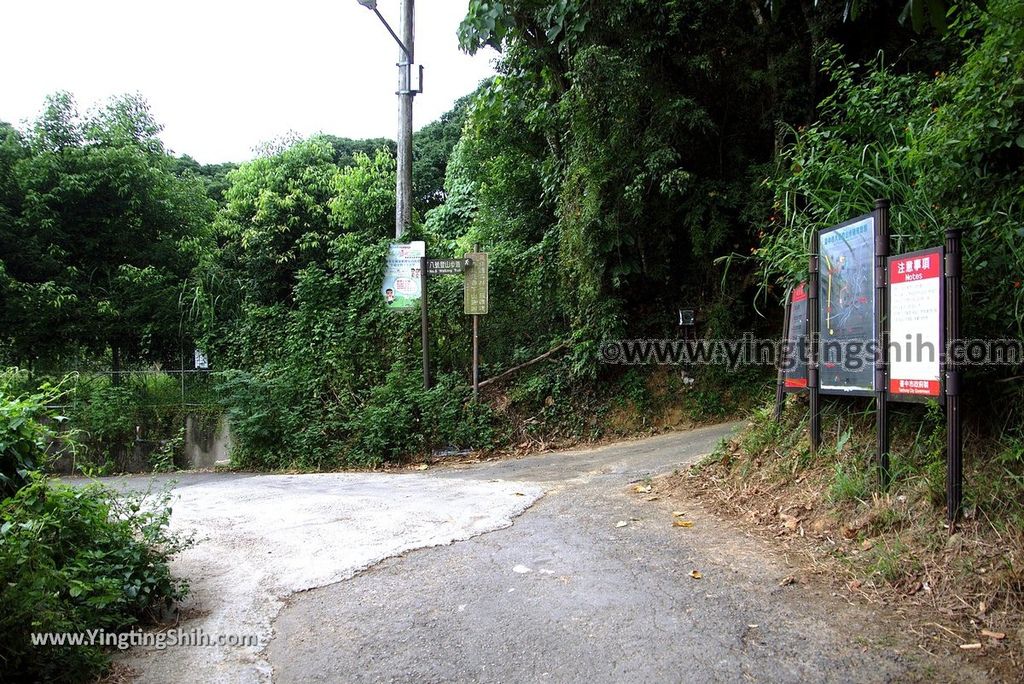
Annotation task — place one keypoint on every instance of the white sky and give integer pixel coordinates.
(223, 76)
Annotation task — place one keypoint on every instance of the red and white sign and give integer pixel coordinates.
(800, 293)
(915, 323)
(795, 377)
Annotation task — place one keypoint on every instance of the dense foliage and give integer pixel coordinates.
(96, 236)
(651, 129)
(72, 559)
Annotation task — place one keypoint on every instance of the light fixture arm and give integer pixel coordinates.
(394, 35)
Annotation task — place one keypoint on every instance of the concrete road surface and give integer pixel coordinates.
(335, 573)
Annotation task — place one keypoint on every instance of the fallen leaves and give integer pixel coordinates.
(682, 523)
(643, 489)
(696, 574)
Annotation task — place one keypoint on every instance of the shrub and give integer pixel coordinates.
(402, 418)
(24, 431)
(71, 559)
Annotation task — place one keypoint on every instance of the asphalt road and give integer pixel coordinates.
(544, 568)
(263, 538)
(569, 594)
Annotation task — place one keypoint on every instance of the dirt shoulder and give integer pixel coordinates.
(957, 597)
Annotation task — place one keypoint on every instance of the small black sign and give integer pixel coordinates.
(445, 266)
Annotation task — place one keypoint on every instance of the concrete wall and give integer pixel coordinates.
(206, 445)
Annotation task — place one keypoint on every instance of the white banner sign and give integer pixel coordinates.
(401, 288)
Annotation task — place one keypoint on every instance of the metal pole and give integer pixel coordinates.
(476, 357)
(403, 178)
(424, 322)
(954, 438)
(780, 387)
(882, 339)
(812, 338)
(476, 347)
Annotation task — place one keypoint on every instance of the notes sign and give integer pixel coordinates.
(475, 292)
(915, 325)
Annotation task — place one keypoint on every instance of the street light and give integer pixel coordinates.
(403, 182)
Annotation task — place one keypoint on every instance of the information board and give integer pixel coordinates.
(475, 288)
(401, 287)
(915, 325)
(795, 362)
(846, 307)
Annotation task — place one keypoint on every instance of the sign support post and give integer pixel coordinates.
(476, 357)
(954, 438)
(424, 322)
(882, 340)
(476, 346)
(813, 324)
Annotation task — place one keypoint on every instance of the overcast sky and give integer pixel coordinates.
(223, 76)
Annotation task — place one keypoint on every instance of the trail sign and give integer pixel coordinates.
(401, 288)
(916, 325)
(446, 266)
(475, 288)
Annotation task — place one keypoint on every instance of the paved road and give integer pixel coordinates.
(511, 571)
(566, 595)
(263, 538)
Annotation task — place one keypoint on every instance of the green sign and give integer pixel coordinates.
(475, 291)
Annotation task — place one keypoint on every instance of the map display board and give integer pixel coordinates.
(916, 325)
(401, 287)
(846, 307)
(795, 368)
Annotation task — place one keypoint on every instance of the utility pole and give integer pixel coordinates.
(406, 92)
(403, 179)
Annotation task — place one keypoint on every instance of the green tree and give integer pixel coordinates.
(97, 234)
(432, 147)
